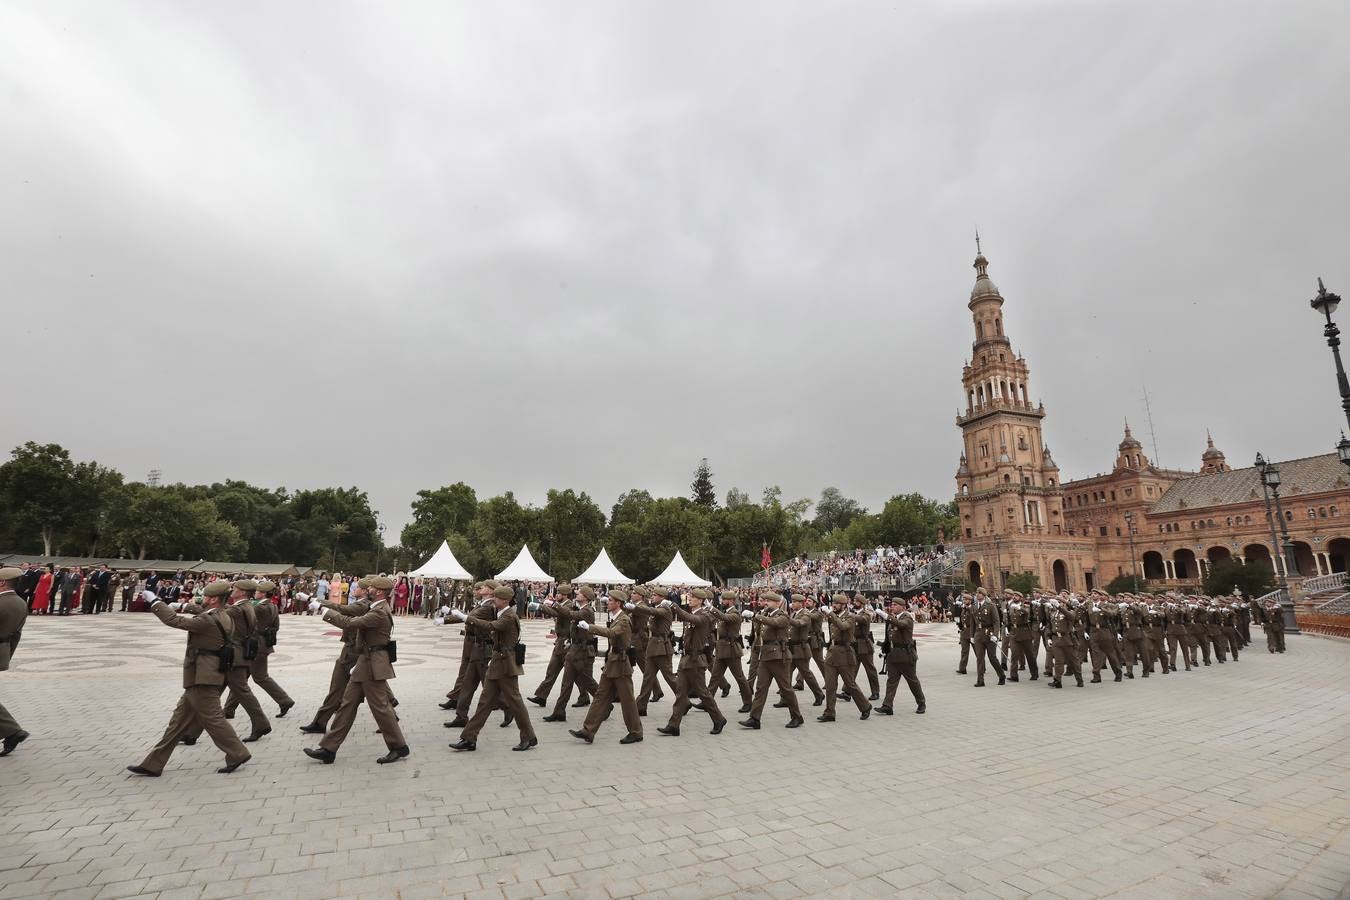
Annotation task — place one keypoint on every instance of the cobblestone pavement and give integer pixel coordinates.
(1230, 781)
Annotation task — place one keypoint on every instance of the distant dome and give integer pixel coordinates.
(984, 286)
(1129, 443)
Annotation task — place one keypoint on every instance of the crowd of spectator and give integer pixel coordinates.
(881, 568)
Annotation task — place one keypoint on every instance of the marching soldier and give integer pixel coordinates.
(1155, 619)
(1103, 639)
(1132, 639)
(477, 597)
(817, 638)
(865, 645)
(799, 645)
(247, 642)
(1243, 611)
(1274, 617)
(727, 652)
(1197, 630)
(342, 666)
(642, 629)
(479, 643)
(699, 623)
(1228, 628)
(960, 607)
(375, 654)
(841, 661)
(501, 687)
(1175, 614)
(985, 625)
(1061, 625)
(660, 646)
(206, 666)
(579, 661)
(616, 678)
(1025, 638)
(269, 624)
(562, 634)
(773, 659)
(902, 656)
(13, 615)
(1214, 631)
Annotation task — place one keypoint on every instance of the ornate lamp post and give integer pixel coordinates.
(379, 545)
(1134, 562)
(1270, 486)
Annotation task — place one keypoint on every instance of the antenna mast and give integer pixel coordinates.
(1153, 435)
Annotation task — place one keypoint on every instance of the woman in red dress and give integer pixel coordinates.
(42, 594)
(401, 592)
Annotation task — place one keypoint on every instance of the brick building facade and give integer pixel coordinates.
(1017, 515)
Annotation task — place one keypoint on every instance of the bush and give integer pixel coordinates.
(1125, 584)
(1023, 582)
(1253, 579)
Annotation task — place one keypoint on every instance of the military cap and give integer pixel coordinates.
(490, 584)
(565, 590)
(267, 585)
(729, 596)
(246, 584)
(798, 598)
(380, 583)
(587, 591)
(701, 593)
(10, 573)
(217, 589)
(770, 595)
(363, 582)
(838, 598)
(895, 601)
(618, 596)
(640, 591)
(502, 592)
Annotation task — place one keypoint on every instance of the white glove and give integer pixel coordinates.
(459, 615)
(548, 602)
(439, 620)
(584, 625)
(314, 606)
(444, 611)
(175, 606)
(747, 614)
(630, 607)
(154, 601)
(666, 602)
(882, 613)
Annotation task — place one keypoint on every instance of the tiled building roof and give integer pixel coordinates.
(1310, 475)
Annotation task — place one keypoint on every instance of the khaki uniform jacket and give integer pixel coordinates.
(201, 663)
(480, 642)
(580, 645)
(817, 635)
(900, 637)
(800, 642)
(505, 632)
(372, 641)
(984, 616)
(1021, 622)
(862, 633)
(728, 633)
(1131, 623)
(620, 636)
(660, 642)
(1060, 626)
(564, 628)
(774, 628)
(268, 618)
(841, 652)
(1176, 619)
(13, 615)
(245, 626)
(698, 624)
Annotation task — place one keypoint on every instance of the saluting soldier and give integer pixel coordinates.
(1155, 622)
(356, 606)
(1022, 628)
(269, 625)
(579, 661)
(1175, 614)
(841, 661)
(659, 617)
(1060, 626)
(773, 659)
(1197, 629)
(562, 642)
(699, 622)
(13, 615)
(799, 645)
(1228, 628)
(1214, 630)
(1274, 616)
(210, 643)
(247, 647)
(865, 645)
(960, 612)
(616, 678)
(727, 652)
(479, 644)
(1132, 638)
(501, 687)
(817, 636)
(477, 597)
(985, 626)
(370, 677)
(1243, 610)
(1102, 636)
(902, 655)
(640, 617)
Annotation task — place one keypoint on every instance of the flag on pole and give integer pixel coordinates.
(765, 560)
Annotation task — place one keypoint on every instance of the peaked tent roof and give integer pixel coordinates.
(523, 568)
(678, 573)
(602, 571)
(442, 565)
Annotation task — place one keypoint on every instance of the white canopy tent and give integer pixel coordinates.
(523, 568)
(678, 574)
(442, 565)
(602, 571)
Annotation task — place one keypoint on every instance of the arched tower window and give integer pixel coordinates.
(979, 331)
(998, 325)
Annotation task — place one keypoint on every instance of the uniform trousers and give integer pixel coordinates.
(1024, 654)
(833, 675)
(656, 665)
(775, 670)
(197, 709)
(465, 656)
(802, 667)
(867, 659)
(257, 669)
(557, 664)
(576, 671)
(964, 636)
(376, 694)
(1153, 645)
(985, 648)
(1135, 649)
(7, 724)
(1104, 652)
(606, 691)
(502, 692)
(1214, 635)
(337, 686)
(237, 681)
(718, 679)
(1198, 638)
(1065, 660)
(908, 671)
(1230, 634)
(1177, 641)
(689, 679)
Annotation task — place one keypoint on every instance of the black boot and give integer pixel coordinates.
(555, 718)
(670, 730)
(537, 701)
(885, 711)
(718, 726)
(507, 718)
(457, 722)
(526, 744)
(324, 756)
(462, 744)
(751, 723)
(794, 722)
(394, 755)
(631, 738)
(313, 728)
(581, 735)
(449, 704)
(745, 708)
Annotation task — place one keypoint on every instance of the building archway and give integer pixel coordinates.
(1303, 559)
(976, 574)
(1218, 555)
(1153, 566)
(1183, 562)
(1258, 555)
(1338, 552)
(1061, 573)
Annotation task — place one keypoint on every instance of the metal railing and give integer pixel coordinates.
(1323, 583)
(1336, 606)
(933, 571)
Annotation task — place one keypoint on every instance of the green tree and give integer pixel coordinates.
(438, 514)
(35, 493)
(834, 510)
(630, 507)
(702, 488)
(499, 529)
(93, 490)
(737, 497)
(1023, 582)
(168, 523)
(1124, 584)
(571, 529)
(1254, 579)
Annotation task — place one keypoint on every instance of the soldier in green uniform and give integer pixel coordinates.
(642, 630)
(1102, 637)
(699, 622)
(985, 627)
(841, 662)
(1133, 646)
(562, 642)
(1175, 615)
(727, 651)
(775, 626)
(579, 661)
(13, 615)
(960, 611)
(1060, 626)
(1025, 638)
(799, 646)
(616, 678)
(269, 626)
(501, 686)
(902, 655)
(1155, 626)
(865, 645)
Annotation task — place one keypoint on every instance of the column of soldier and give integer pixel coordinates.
(1118, 631)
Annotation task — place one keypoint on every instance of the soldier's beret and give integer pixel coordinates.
(894, 601)
(502, 592)
(217, 589)
(587, 591)
(729, 596)
(618, 596)
(640, 591)
(363, 582)
(798, 598)
(380, 583)
(565, 590)
(490, 583)
(770, 595)
(246, 584)
(701, 593)
(10, 573)
(267, 585)
(838, 598)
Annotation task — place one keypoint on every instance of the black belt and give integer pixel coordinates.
(373, 649)
(198, 650)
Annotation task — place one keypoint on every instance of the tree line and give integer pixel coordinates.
(54, 505)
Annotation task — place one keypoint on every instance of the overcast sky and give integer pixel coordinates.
(534, 245)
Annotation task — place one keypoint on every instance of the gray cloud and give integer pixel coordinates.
(547, 245)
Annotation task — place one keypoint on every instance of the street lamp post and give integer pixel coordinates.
(1325, 303)
(1134, 564)
(1270, 486)
(379, 545)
